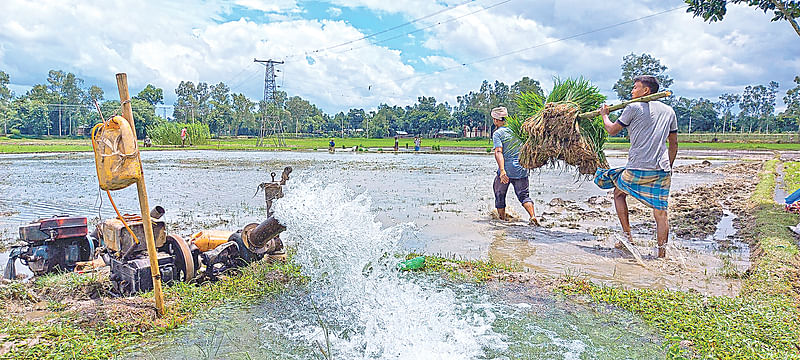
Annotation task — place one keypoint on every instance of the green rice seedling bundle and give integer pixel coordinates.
(553, 132)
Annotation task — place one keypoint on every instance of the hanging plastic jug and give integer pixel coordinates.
(116, 154)
(412, 264)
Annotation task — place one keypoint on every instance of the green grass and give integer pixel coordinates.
(78, 145)
(762, 322)
(322, 143)
(791, 179)
(465, 270)
(69, 145)
(62, 336)
(765, 189)
(24, 149)
(719, 327)
(775, 271)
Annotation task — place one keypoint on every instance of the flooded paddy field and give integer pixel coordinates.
(345, 211)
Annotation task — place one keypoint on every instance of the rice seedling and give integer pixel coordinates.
(552, 130)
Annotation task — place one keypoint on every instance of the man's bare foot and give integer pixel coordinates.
(661, 251)
(533, 221)
(618, 243)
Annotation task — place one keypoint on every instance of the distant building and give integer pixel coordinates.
(83, 130)
(471, 132)
(447, 134)
(401, 134)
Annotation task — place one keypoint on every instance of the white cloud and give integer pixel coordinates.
(164, 44)
(440, 61)
(415, 8)
(334, 12)
(269, 5)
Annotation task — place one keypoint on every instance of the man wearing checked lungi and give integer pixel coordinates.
(647, 175)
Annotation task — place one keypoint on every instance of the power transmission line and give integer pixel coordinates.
(462, 65)
(383, 31)
(524, 49)
(412, 32)
(245, 80)
(428, 27)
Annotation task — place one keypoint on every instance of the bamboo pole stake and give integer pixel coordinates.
(127, 113)
(651, 97)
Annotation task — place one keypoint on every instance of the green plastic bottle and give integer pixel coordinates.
(412, 264)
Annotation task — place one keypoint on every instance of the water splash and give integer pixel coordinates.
(374, 310)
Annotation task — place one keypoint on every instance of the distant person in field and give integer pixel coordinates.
(647, 174)
(183, 137)
(509, 171)
(417, 143)
(332, 146)
(396, 143)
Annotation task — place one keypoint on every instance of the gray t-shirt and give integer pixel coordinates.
(649, 124)
(502, 138)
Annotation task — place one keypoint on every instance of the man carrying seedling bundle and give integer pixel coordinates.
(647, 174)
(506, 153)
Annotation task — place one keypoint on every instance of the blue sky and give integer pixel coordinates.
(212, 41)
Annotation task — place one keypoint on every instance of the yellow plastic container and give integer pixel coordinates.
(116, 155)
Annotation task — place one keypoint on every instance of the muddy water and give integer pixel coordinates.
(448, 198)
(525, 326)
(357, 305)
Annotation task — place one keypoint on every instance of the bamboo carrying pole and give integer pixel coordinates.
(127, 113)
(651, 97)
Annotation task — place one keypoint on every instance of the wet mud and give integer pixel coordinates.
(705, 253)
(695, 213)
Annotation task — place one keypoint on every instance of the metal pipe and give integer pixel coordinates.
(157, 212)
(264, 232)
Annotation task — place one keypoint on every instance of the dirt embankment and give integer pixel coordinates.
(85, 299)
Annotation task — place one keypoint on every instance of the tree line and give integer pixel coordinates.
(64, 106)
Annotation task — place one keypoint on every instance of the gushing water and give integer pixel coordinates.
(374, 310)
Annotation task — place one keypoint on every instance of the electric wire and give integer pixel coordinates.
(463, 65)
(371, 86)
(419, 30)
(429, 26)
(385, 30)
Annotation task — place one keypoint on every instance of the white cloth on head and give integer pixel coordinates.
(499, 113)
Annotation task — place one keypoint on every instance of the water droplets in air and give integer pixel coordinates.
(371, 309)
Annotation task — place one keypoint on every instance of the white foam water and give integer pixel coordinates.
(375, 311)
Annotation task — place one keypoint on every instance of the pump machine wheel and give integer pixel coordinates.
(176, 247)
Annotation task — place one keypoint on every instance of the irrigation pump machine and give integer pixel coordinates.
(126, 252)
(51, 245)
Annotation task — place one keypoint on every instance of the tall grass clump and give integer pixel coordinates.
(169, 133)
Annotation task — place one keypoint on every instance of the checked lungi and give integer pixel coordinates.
(649, 186)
